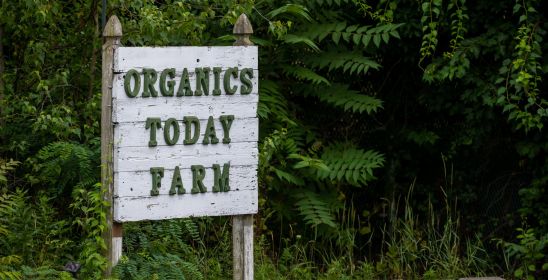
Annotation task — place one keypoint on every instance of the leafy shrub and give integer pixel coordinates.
(529, 257)
(90, 218)
(34, 242)
(33, 231)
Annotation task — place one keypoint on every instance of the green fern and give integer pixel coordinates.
(6, 262)
(351, 62)
(314, 209)
(30, 233)
(288, 177)
(309, 162)
(290, 9)
(165, 266)
(305, 74)
(191, 270)
(349, 100)
(350, 164)
(298, 39)
(192, 230)
(332, 2)
(6, 166)
(272, 103)
(44, 273)
(10, 275)
(354, 34)
(67, 165)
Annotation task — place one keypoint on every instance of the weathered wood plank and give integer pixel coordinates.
(167, 207)
(178, 109)
(143, 158)
(139, 183)
(190, 57)
(120, 94)
(135, 133)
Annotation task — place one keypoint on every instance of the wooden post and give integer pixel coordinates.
(242, 225)
(113, 234)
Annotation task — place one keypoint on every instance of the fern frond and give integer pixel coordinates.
(10, 275)
(288, 177)
(302, 73)
(350, 164)
(349, 100)
(331, 2)
(272, 102)
(353, 34)
(292, 9)
(305, 161)
(296, 39)
(67, 164)
(352, 62)
(299, 135)
(164, 266)
(192, 230)
(6, 166)
(191, 271)
(314, 210)
(10, 260)
(43, 272)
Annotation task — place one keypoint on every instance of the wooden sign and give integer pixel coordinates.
(185, 132)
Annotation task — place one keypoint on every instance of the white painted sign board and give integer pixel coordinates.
(191, 110)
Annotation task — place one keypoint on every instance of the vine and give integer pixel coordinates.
(521, 76)
(431, 11)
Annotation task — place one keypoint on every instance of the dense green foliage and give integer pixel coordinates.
(398, 139)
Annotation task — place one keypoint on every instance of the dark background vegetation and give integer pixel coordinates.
(398, 139)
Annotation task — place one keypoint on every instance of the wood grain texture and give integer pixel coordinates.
(191, 205)
(111, 34)
(160, 58)
(134, 134)
(143, 158)
(138, 183)
(140, 111)
(133, 158)
(116, 249)
(120, 94)
(242, 225)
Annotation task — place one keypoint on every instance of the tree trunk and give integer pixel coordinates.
(1, 77)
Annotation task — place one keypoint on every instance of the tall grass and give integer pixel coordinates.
(429, 249)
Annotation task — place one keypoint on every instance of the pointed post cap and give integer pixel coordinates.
(113, 28)
(242, 26)
(242, 30)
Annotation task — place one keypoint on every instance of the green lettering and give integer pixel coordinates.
(153, 124)
(127, 83)
(210, 132)
(184, 86)
(226, 81)
(171, 122)
(188, 124)
(167, 88)
(221, 180)
(202, 81)
(157, 174)
(226, 121)
(245, 77)
(217, 78)
(198, 174)
(177, 183)
(150, 77)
